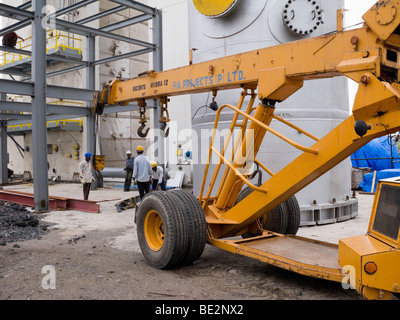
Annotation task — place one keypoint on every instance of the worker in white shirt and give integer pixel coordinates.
(128, 170)
(85, 174)
(142, 172)
(157, 177)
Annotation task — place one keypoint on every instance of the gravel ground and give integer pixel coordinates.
(18, 223)
(97, 257)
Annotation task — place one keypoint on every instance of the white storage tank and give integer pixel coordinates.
(226, 27)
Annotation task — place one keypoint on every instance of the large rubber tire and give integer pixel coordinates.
(275, 220)
(294, 215)
(162, 230)
(196, 225)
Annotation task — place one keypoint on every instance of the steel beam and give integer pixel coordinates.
(55, 203)
(15, 13)
(17, 51)
(51, 108)
(73, 7)
(63, 93)
(27, 22)
(39, 131)
(87, 31)
(122, 56)
(127, 22)
(25, 5)
(51, 117)
(16, 87)
(49, 57)
(14, 116)
(129, 107)
(23, 198)
(137, 6)
(15, 26)
(101, 15)
(62, 71)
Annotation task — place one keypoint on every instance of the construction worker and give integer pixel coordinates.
(10, 39)
(142, 172)
(128, 170)
(157, 177)
(85, 173)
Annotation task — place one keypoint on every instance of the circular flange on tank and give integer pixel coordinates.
(240, 15)
(292, 20)
(302, 17)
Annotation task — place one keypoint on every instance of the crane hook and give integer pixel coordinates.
(164, 133)
(140, 131)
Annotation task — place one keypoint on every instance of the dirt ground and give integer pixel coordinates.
(97, 257)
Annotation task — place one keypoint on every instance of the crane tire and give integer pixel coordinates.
(275, 220)
(162, 230)
(196, 225)
(243, 194)
(293, 209)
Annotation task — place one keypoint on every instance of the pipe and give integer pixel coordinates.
(113, 172)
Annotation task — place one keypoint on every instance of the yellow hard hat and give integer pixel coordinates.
(139, 148)
(153, 164)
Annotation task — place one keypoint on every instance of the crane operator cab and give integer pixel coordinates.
(371, 258)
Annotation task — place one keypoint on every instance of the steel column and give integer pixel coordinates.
(158, 66)
(91, 118)
(90, 85)
(3, 147)
(39, 129)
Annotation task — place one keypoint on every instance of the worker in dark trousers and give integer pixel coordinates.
(157, 177)
(85, 173)
(142, 172)
(10, 39)
(128, 170)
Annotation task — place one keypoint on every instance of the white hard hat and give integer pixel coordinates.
(128, 152)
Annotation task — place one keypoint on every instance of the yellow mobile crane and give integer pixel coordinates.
(173, 227)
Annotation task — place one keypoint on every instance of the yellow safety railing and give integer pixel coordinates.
(204, 199)
(60, 122)
(55, 39)
(9, 57)
(64, 40)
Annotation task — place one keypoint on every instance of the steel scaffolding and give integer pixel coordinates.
(38, 112)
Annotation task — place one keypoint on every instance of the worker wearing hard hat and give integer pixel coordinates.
(128, 170)
(157, 177)
(142, 172)
(85, 174)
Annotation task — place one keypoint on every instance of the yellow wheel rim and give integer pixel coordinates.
(154, 230)
(213, 8)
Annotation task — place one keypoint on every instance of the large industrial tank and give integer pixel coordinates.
(227, 27)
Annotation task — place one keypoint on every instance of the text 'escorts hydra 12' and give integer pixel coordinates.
(174, 226)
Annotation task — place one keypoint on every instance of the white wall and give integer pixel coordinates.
(175, 54)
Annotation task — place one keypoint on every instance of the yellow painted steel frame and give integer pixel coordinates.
(377, 250)
(369, 55)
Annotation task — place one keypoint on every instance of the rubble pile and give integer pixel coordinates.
(17, 223)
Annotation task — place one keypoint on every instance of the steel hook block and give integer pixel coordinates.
(164, 133)
(140, 131)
